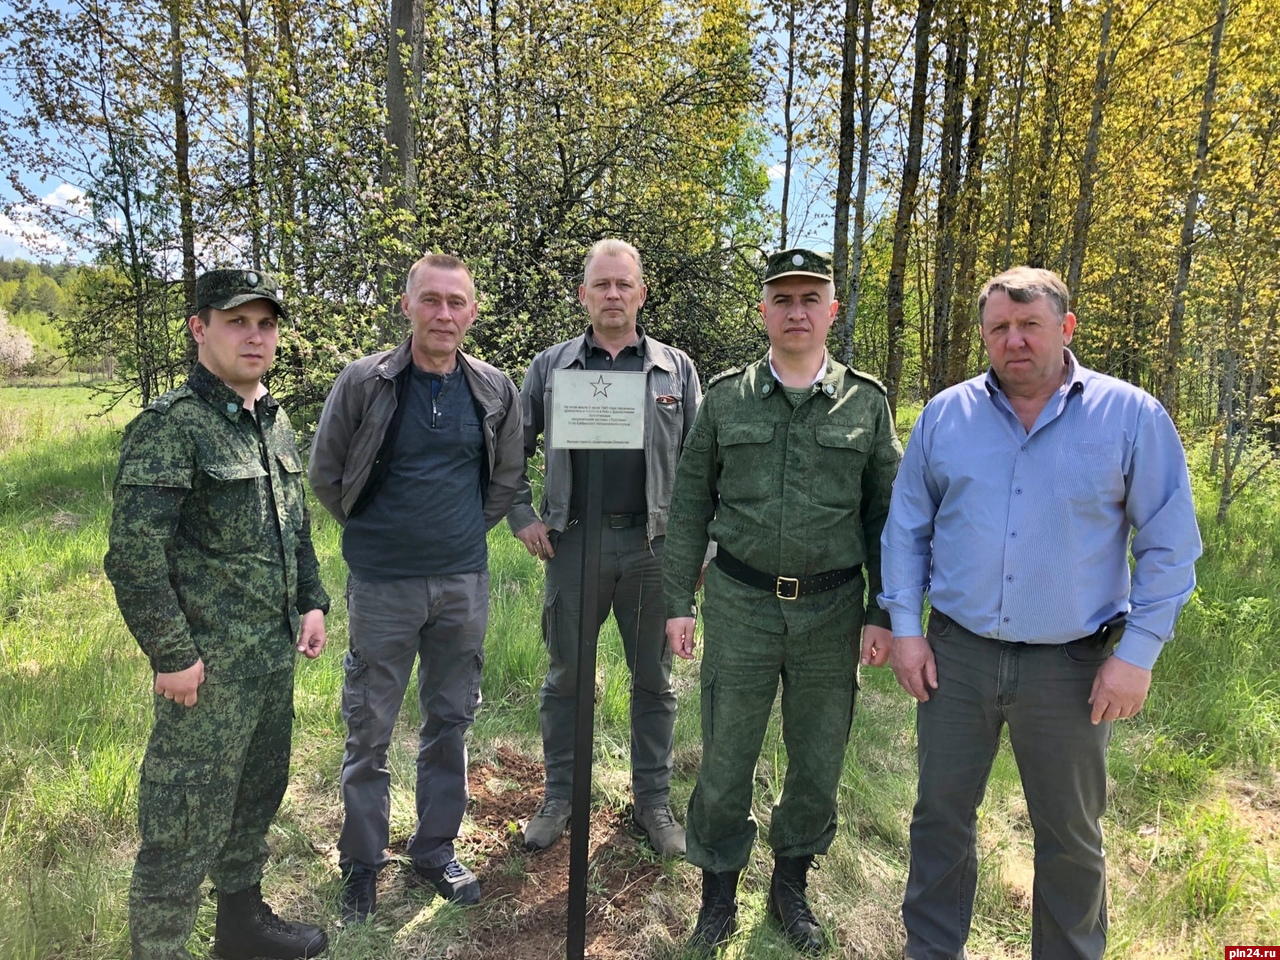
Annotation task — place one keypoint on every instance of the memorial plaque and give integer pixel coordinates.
(596, 410)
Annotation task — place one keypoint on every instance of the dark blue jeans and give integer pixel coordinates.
(1042, 693)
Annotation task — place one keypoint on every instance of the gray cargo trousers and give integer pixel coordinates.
(440, 622)
(631, 584)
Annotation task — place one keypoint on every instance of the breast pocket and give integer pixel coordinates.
(837, 480)
(230, 495)
(291, 491)
(746, 466)
(1089, 473)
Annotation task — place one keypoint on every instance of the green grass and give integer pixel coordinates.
(1193, 829)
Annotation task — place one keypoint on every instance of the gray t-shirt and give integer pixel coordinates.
(427, 517)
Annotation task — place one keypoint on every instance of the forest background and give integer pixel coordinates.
(1131, 146)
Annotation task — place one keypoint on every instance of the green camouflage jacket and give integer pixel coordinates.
(210, 548)
(791, 490)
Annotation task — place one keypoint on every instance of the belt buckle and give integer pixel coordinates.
(793, 583)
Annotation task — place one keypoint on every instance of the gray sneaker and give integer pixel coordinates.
(548, 824)
(660, 826)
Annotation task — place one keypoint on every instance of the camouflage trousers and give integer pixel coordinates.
(212, 780)
(741, 667)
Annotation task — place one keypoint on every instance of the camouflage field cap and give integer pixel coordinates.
(797, 262)
(224, 289)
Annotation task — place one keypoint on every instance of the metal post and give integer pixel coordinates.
(588, 635)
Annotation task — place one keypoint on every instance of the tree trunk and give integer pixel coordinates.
(182, 160)
(1089, 163)
(404, 76)
(253, 200)
(907, 202)
(963, 314)
(848, 136)
(860, 203)
(1041, 192)
(1013, 155)
(788, 121)
(957, 71)
(1186, 243)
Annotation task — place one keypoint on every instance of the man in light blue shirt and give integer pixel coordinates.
(1013, 511)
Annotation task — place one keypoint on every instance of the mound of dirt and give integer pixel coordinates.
(524, 912)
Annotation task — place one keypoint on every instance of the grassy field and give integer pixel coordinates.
(1193, 830)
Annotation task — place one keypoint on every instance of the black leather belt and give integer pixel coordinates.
(619, 521)
(784, 588)
(1105, 635)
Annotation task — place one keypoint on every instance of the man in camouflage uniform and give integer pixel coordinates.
(211, 559)
(788, 468)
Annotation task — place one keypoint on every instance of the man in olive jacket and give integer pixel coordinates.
(788, 468)
(418, 453)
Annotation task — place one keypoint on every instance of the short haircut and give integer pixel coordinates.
(1025, 285)
(439, 261)
(610, 247)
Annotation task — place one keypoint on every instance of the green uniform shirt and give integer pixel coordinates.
(210, 547)
(792, 489)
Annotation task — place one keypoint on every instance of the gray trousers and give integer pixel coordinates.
(630, 585)
(439, 621)
(1042, 693)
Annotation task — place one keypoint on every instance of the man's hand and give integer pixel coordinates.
(311, 635)
(536, 540)
(876, 644)
(680, 636)
(1119, 690)
(181, 687)
(911, 659)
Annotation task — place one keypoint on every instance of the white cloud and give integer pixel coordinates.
(29, 235)
(777, 171)
(68, 197)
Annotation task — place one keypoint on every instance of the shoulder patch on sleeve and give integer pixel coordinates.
(724, 375)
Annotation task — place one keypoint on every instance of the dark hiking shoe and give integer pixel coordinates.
(718, 917)
(788, 906)
(665, 834)
(452, 881)
(248, 928)
(547, 824)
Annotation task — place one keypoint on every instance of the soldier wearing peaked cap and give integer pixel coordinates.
(211, 559)
(788, 468)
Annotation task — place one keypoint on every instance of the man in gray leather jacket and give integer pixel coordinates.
(637, 498)
(418, 453)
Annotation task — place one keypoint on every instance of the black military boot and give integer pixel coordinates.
(787, 904)
(247, 928)
(718, 917)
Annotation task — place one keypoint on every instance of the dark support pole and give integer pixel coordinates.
(589, 632)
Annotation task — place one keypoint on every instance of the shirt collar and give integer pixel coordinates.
(217, 393)
(1076, 376)
(639, 342)
(821, 375)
